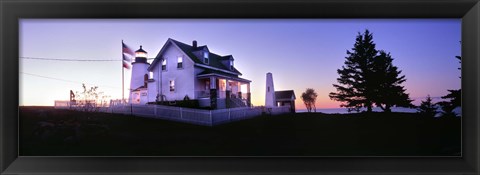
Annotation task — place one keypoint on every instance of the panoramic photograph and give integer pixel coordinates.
(240, 87)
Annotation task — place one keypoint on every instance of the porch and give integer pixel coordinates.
(223, 91)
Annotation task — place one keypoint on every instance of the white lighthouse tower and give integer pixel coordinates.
(139, 79)
(269, 92)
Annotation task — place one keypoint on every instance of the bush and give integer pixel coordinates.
(188, 103)
(180, 103)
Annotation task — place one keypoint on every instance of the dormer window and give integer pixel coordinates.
(231, 64)
(205, 57)
(164, 64)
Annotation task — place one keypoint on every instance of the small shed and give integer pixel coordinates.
(286, 98)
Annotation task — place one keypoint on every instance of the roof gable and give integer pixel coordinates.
(157, 58)
(205, 48)
(214, 59)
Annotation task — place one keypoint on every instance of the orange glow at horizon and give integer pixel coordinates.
(323, 101)
(320, 103)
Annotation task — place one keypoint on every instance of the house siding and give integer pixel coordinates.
(183, 77)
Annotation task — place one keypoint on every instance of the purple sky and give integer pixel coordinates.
(300, 53)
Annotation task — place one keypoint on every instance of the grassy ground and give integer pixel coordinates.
(45, 131)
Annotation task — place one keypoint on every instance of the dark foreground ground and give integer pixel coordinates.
(45, 131)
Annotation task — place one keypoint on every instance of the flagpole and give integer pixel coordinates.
(123, 86)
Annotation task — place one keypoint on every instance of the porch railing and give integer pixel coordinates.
(206, 94)
(202, 94)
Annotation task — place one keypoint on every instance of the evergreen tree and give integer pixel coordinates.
(459, 61)
(454, 96)
(355, 88)
(369, 77)
(427, 108)
(447, 109)
(389, 92)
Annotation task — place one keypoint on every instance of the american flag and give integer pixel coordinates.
(127, 53)
(126, 65)
(127, 50)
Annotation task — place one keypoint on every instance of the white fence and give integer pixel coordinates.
(187, 115)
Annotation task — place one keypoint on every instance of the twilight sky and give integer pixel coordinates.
(300, 53)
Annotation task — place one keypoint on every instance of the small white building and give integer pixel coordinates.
(286, 98)
(181, 71)
(278, 98)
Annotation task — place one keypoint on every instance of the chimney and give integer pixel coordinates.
(194, 44)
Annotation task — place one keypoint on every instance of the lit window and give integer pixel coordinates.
(172, 85)
(180, 62)
(141, 54)
(205, 56)
(151, 75)
(164, 64)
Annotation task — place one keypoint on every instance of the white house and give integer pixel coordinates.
(181, 71)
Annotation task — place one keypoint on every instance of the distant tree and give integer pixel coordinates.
(90, 99)
(355, 88)
(309, 97)
(389, 92)
(427, 108)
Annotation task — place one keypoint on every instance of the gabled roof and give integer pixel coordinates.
(214, 59)
(208, 72)
(198, 48)
(227, 57)
(211, 71)
(285, 95)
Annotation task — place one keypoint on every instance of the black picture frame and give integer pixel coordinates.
(11, 11)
